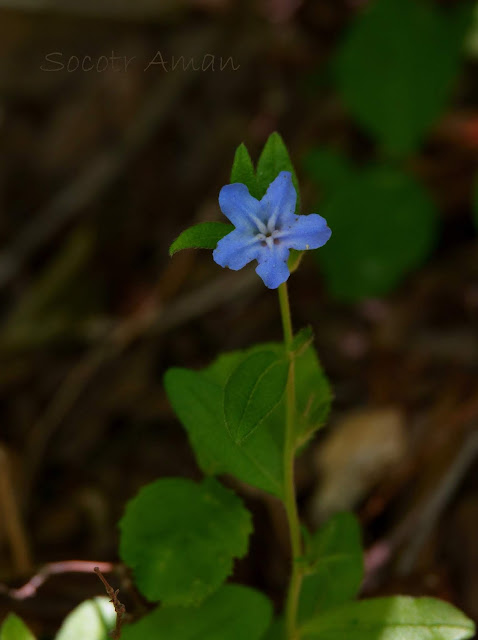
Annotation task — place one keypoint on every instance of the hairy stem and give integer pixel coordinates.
(289, 484)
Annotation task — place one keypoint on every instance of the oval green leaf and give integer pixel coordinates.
(180, 538)
(384, 225)
(198, 401)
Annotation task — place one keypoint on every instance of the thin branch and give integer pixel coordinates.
(29, 589)
(119, 607)
(439, 499)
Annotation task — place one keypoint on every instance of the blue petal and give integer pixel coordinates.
(272, 267)
(240, 207)
(306, 232)
(236, 250)
(280, 201)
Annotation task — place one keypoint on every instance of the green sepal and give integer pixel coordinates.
(243, 170)
(275, 158)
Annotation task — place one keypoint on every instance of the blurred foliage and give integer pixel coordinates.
(397, 66)
(384, 225)
(395, 69)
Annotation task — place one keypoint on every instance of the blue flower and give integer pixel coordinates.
(267, 229)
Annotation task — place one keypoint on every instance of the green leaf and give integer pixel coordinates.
(253, 390)
(232, 613)
(14, 628)
(243, 170)
(328, 168)
(92, 619)
(334, 566)
(313, 394)
(274, 159)
(384, 225)
(198, 400)
(391, 619)
(302, 340)
(276, 631)
(180, 538)
(204, 235)
(396, 67)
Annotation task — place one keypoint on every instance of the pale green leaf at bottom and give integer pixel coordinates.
(396, 618)
(91, 620)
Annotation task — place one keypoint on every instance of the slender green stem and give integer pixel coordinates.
(290, 502)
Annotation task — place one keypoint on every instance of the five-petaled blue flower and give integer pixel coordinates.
(267, 229)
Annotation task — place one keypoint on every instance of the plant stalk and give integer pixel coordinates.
(290, 502)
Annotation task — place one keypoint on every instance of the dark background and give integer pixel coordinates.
(99, 172)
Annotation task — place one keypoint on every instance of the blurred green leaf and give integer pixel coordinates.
(243, 170)
(334, 566)
(396, 67)
(252, 391)
(13, 628)
(92, 619)
(274, 159)
(180, 538)
(204, 235)
(232, 613)
(198, 400)
(391, 619)
(471, 41)
(328, 168)
(384, 224)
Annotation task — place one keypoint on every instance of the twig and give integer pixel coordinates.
(420, 522)
(29, 589)
(431, 511)
(10, 517)
(119, 607)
